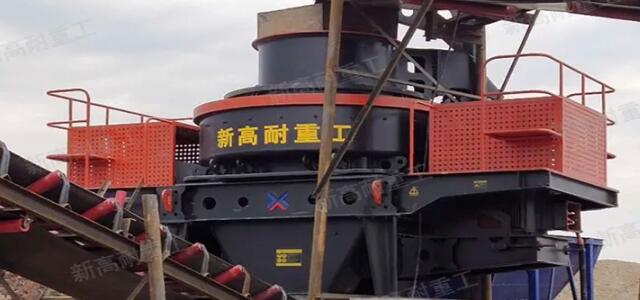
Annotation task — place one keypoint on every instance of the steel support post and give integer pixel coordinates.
(481, 58)
(382, 250)
(525, 39)
(410, 83)
(486, 283)
(4, 160)
(534, 284)
(572, 283)
(582, 267)
(552, 279)
(589, 267)
(394, 43)
(326, 148)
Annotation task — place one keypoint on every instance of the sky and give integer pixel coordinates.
(165, 57)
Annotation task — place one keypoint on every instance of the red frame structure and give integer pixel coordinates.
(551, 132)
(124, 154)
(547, 131)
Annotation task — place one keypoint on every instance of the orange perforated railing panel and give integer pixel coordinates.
(585, 144)
(524, 134)
(118, 155)
(456, 137)
(523, 149)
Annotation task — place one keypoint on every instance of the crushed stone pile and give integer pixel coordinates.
(614, 279)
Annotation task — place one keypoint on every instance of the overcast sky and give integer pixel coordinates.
(165, 57)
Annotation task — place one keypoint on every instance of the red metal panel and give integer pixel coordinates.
(456, 137)
(159, 159)
(525, 134)
(525, 148)
(123, 147)
(585, 146)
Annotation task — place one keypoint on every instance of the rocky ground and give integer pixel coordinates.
(614, 280)
(24, 289)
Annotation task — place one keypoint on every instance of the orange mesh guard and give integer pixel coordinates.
(123, 154)
(123, 149)
(514, 135)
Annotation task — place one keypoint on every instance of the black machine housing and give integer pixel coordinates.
(252, 205)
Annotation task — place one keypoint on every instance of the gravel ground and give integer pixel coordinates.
(614, 280)
(25, 289)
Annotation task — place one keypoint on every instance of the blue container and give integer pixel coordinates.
(546, 284)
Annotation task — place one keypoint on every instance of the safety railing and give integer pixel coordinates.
(86, 122)
(602, 90)
(588, 87)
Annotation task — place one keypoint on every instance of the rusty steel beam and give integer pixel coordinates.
(410, 83)
(606, 12)
(508, 10)
(392, 41)
(525, 39)
(487, 287)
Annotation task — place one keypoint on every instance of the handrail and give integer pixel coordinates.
(603, 91)
(108, 109)
(521, 92)
(66, 125)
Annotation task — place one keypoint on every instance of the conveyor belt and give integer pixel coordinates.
(88, 260)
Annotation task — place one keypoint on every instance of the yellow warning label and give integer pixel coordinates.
(288, 257)
(480, 184)
(414, 192)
